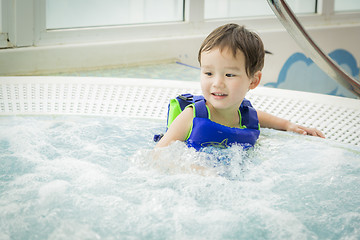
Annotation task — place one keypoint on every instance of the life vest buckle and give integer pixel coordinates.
(186, 97)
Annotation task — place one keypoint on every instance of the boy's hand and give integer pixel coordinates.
(304, 130)
(270, 121)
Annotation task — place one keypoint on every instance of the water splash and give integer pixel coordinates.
(96, 178)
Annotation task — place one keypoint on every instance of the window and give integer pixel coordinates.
(3, 36)
(347, 5)
(93, 13)
(26, 23)
(1, 27)
(245, 8)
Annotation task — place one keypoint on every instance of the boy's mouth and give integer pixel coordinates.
(219, 94)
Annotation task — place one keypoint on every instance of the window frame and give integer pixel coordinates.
(24, 25)
(4, 19)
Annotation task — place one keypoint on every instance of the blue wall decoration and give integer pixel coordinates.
(300, 73)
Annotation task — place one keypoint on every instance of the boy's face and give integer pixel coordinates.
(224, 81)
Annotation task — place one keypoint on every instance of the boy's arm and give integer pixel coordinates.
(178, 129)
(270, 121)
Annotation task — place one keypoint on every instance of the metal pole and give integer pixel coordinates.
(296, 30)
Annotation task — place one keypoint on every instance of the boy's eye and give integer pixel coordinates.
(230, 75)
(208, 73)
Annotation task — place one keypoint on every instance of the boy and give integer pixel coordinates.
(231, 59)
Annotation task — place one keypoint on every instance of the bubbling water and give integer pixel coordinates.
(99, 178)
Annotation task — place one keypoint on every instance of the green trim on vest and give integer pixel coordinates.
(194, 113)
(174, 111)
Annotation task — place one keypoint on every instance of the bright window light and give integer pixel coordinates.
(347, 5)
(0, 16)
(96, 13)
(247, 8)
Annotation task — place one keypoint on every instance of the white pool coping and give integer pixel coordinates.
(337, 117)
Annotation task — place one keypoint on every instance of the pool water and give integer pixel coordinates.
(74, 177)
(166, 70)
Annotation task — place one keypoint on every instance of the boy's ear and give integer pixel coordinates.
(255, 80)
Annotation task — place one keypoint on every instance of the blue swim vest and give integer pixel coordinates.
(206, 133)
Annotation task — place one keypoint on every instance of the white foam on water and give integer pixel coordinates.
(96, 178)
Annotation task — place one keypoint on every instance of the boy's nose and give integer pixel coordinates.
(219, 81)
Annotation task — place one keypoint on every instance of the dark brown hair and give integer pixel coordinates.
(237, 38)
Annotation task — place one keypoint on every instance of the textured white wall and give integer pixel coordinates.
(35, 60)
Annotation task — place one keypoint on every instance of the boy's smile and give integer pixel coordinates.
(219, 95)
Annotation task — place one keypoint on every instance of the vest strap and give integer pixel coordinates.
(251, 119)
(200, 109)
